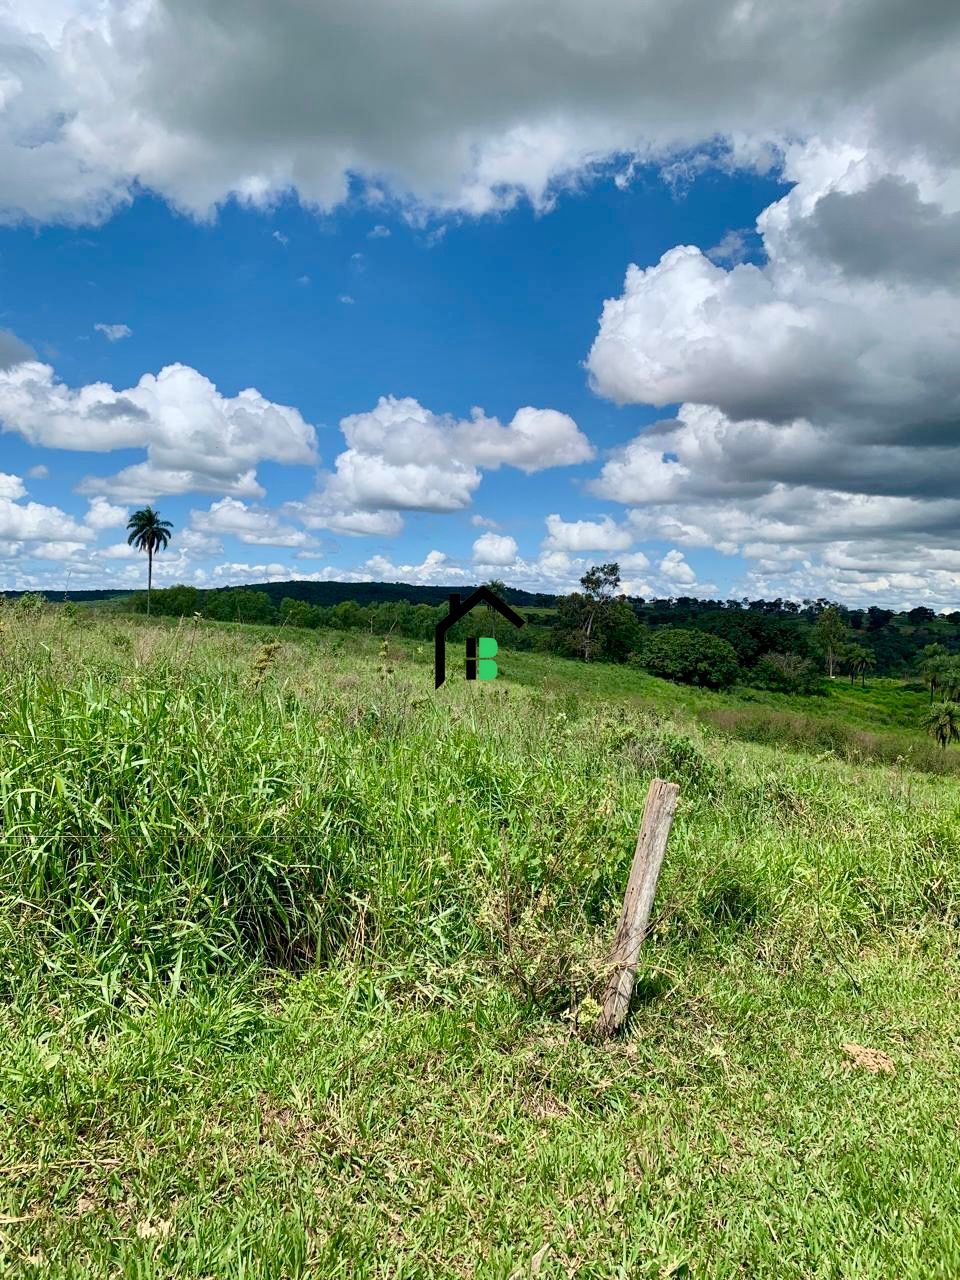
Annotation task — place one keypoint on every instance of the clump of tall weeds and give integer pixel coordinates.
(265, 658)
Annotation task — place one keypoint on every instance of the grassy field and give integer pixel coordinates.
(877, 722)
(296, 953)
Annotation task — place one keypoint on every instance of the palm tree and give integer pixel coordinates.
(932, 659)
(948, 678)
(149, 533)
(943, 721)
(866, 662)
(850, 655)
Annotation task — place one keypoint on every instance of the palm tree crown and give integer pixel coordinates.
(943, 721)
(948, 678)
(933, 659)
(149, 533)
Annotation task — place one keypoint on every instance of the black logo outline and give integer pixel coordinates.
(459, 609)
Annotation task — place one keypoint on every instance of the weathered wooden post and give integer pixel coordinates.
(641, 886)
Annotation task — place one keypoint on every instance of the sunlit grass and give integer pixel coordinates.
(292, 947)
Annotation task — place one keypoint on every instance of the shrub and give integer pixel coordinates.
(30, 604)
(691, 657)
(786, 673)
(638, 658)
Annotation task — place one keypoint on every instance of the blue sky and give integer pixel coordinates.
(745, 416)
(498, 312)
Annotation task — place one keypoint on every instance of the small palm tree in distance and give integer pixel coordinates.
(150, 534)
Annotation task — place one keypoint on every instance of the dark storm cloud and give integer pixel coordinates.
(461, 104)
(885, 231)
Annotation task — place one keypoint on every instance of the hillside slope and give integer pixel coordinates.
(297, 957)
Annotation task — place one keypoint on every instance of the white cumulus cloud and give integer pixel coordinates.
(586, 535)
(194, 437)
(495, 549)
(818, 393)
(675, 568)
(11, 487)
(436, 569)
(401, 456)
(102, 514)
(251, 525)
(33, 523)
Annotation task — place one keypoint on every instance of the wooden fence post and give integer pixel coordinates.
(641, 886)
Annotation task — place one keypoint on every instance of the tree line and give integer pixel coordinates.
(771, 644)
(776, 644)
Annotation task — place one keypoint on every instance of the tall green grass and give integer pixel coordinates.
(172, 802)
(182, 800)
(292, 949)
(810, 733)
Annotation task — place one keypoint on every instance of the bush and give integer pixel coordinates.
(786, 673)
(30, 604)
(691, 657)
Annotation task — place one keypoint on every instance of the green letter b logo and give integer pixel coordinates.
(486, 652)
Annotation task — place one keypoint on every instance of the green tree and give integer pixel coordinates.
(601, 584)
(845, 656)
(602, 581)
(179, 600)
(348, 616)
(251, 606)
(30, 604)
(240, 604)
(582, 614)
(691, 657)
(856, 658)
(621, 633)
(150, 534)
(426, 617)
(570, 634)
(492, 619)
(830, 633)
(943, 722)
(297, 613)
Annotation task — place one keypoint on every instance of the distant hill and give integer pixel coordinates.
(329, 593)
(57, 597)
